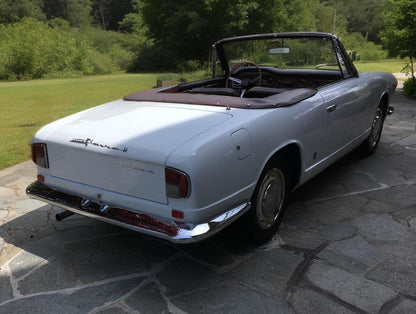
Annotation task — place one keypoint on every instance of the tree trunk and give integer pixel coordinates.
(102, 18)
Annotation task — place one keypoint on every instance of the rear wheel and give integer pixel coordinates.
(268, 202)
(369, 146)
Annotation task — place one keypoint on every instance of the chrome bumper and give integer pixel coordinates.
(168, 230)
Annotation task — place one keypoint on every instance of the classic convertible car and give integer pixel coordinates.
(183, 162)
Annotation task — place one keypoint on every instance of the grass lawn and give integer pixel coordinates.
(26, 106)
(390, 66)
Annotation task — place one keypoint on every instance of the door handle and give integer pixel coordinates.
(331, 108)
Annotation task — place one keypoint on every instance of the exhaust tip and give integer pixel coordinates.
(390, 110)
(63, 215)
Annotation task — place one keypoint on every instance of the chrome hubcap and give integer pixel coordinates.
(376, 128)
(270, 198)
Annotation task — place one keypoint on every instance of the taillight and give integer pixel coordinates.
(40, 155)
(177, 183)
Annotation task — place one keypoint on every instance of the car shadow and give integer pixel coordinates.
(42, 254)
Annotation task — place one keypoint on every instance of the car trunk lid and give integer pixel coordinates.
(122, 146)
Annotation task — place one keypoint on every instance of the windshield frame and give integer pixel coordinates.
(346, 67)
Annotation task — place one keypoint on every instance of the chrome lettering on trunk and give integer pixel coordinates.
(89, 141)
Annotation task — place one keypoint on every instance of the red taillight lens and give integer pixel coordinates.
(177, 183)
(40, 155)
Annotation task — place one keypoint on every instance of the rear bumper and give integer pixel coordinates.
(127, 218)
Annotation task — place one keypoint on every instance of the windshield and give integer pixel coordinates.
(284, 53)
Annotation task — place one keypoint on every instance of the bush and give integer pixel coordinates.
(367, 51)
(153, 58)
(372, 52)
(190, 66)
(409, 87)
(196, 75)
(112, 44)
(31, 49)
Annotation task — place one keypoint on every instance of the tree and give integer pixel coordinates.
(364, 17)
(400, 32)
(294, 15)
(12, 11)
(109, 13)
(183, 30)
(79, 13)
(76, 12)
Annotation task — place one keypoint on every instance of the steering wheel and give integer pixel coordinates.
(245, 83)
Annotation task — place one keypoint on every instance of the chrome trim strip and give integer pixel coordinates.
(130, 219)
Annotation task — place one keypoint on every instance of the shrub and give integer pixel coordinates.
(366, 50)
(190, 66)
(409, 87)
(112, 44)
(97, 63)
(31, 49)
(19, 50)
(196, 75)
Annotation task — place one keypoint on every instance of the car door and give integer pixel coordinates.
(346, 107)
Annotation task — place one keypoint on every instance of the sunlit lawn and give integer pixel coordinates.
(390, 66)
(26, 106)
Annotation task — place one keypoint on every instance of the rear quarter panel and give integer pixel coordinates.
(220, 177)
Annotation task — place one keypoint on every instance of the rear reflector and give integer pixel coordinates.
(177, 183)
(40, 155)
(177, 214)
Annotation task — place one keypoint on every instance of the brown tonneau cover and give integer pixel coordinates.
(283, 99)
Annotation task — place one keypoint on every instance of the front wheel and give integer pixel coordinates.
(369, 146)
(268, 202)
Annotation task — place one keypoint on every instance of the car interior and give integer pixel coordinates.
(286, 70)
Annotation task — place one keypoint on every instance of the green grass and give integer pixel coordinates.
(390, 66)
(26, 106)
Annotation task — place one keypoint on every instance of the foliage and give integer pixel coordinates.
(149, 35)
(184, 30)
(138, 42)
(114, 45)
(12, 11)
(173, 43)
(399, 35)
(76, 12)
(366, 50)
(190, 76)
(363, 16)
(109, 13)
(409, 87)
(32, 49)
(202, 74)
(322, 18)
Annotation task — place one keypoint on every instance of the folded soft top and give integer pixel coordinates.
(281, 99)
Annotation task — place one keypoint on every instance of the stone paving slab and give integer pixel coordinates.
(353, 289)
(347, 244)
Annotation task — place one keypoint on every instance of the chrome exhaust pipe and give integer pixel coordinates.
(390, 110)
(63, 215)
